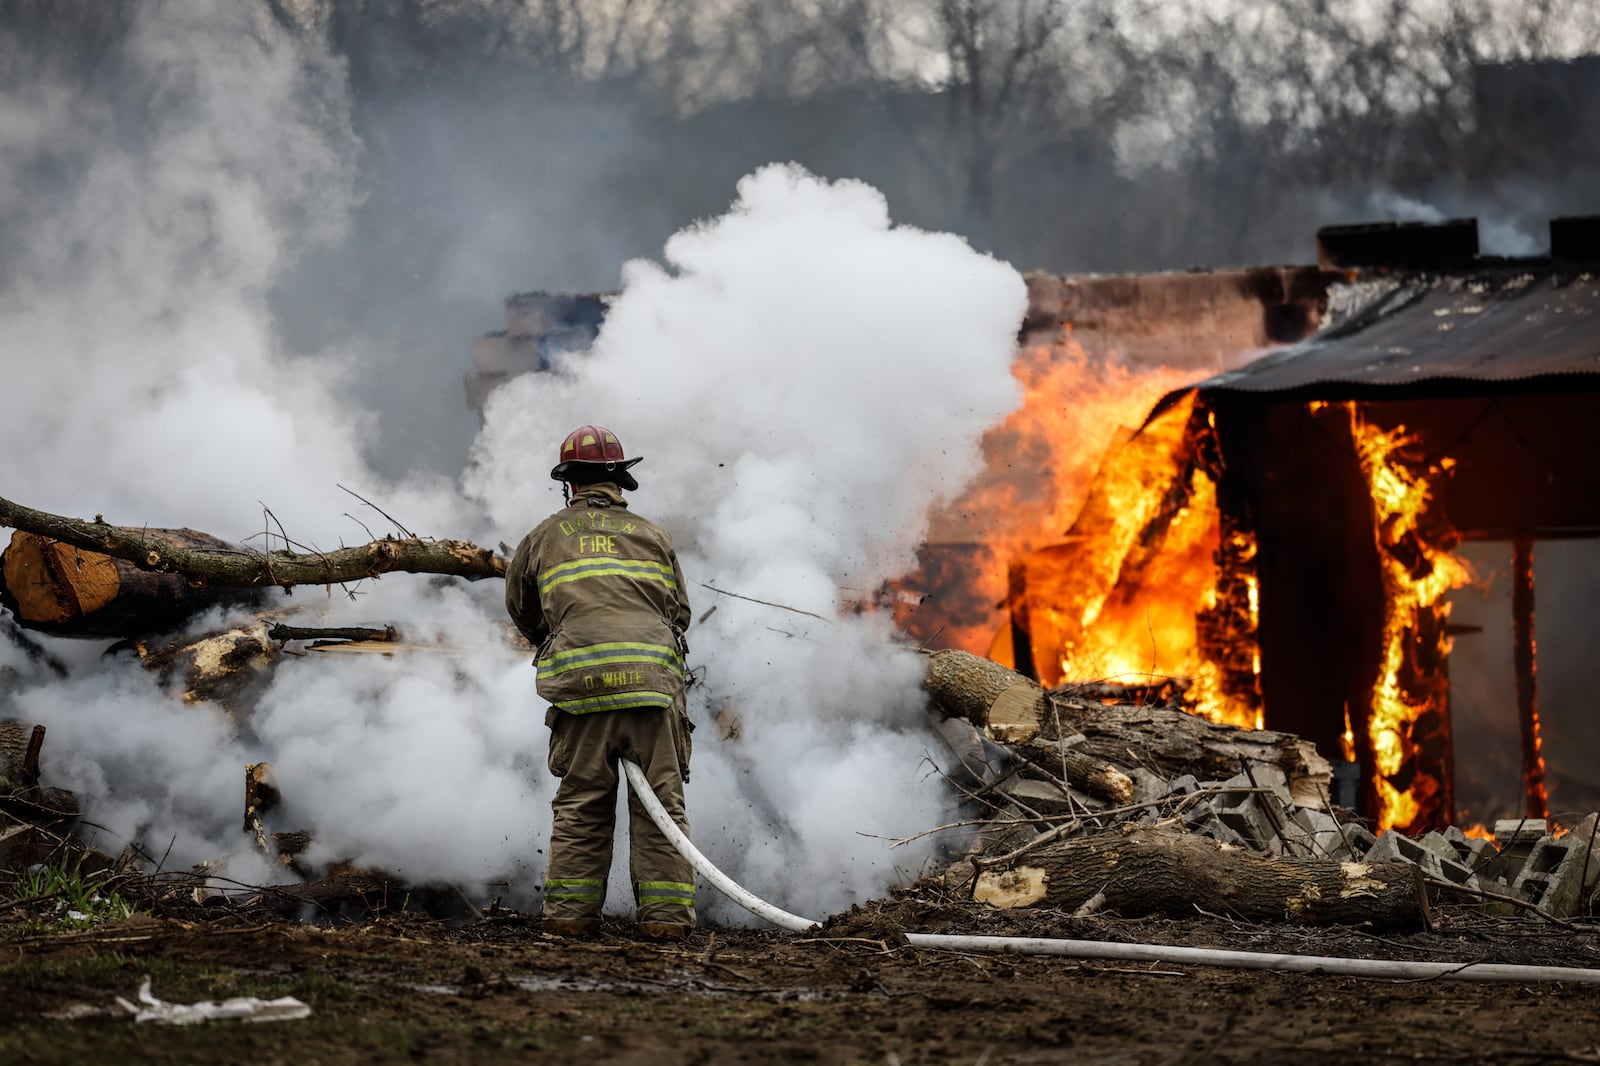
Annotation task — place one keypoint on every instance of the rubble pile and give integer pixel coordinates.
(1026, 797)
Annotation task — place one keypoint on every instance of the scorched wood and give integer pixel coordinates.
(229, 667)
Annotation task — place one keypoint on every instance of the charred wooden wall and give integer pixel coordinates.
(1524, 467)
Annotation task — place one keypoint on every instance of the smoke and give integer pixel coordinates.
(804, 379)
(151, 194)
(143, 378)
(1506, 224)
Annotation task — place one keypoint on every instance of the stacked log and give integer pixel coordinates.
(1013, 708)
(986, 694)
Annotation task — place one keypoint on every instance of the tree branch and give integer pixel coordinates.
(245, 568)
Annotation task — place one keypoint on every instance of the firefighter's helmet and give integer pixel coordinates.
(593, 453)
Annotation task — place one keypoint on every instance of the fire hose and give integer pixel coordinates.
(1092, 949)
(723, 883)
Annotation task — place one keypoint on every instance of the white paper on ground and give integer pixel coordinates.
(243, 1009)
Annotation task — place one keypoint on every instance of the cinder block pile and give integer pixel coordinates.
(1524, 860)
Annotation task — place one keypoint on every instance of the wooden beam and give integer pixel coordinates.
(1526, 661)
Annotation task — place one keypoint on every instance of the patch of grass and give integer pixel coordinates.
(112, 969)
(316, 987)
(54, 894)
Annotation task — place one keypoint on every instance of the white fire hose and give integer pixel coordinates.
(1255, 960)
(723, 883)
(1093, 949)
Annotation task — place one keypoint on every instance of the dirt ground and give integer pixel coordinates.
(405, 988)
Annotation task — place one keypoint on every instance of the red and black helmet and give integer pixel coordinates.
(593, 453)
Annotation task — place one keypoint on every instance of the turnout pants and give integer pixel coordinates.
(584, 749)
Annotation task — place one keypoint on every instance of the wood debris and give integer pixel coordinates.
(1109, 795)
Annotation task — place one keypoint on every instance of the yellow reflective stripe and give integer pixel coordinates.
(663, 892)
(607, 560)
(575, 888)
(609, 654)
(609, 570)
(612, 659)
(648, 650)
(611, 703)
(578, 569)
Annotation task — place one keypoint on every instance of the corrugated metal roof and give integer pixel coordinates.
(1491, 325)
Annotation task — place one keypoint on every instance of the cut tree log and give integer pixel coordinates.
(985, 693)
(15, 741)
(1145, 871)
(247, 568)
(58, 588)
(1080, 770)
(1172, 743)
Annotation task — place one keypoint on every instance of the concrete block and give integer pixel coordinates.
(1148, 786)
(1180, 786)
(1359, 837)
(1436, 842)
(973, 764)
(1514, 840)
(1476, 852)
(1045, 797)
(1203, 820)
(1162, 803)
(1554, 876)
(1393, 847)
(1250, 820)
(1322, 834)
(1262, 776)
(1509, 832)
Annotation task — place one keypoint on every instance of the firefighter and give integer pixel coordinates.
(599, 592)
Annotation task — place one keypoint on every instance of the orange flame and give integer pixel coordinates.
(1418, 569)
(1123, 598)
(1040, 463)
(1102, 541)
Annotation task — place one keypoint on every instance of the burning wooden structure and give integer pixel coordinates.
(1446, 407)
(1283, 534)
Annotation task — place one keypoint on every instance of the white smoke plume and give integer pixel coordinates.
(147, 214)
(804, 378)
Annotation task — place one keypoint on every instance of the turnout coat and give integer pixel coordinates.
(599, 592)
